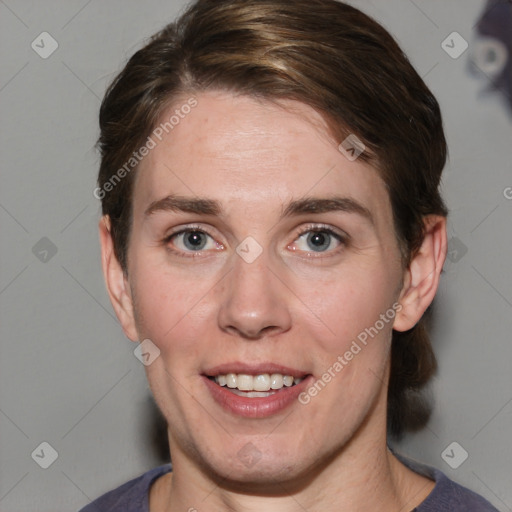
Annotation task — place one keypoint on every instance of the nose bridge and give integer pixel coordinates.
(253, 303)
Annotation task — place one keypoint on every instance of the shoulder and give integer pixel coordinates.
(447, 495)
(129, 497)
(451, 496)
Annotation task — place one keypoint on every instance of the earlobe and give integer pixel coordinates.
(116, 281)
(421, 279)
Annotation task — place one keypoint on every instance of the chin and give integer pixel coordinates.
(265, 477)
(248, 469)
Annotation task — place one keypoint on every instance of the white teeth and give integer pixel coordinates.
(230, 380)
(244, 382)
(253, 394)
(259, 384)
(276, 381)
(288, 380)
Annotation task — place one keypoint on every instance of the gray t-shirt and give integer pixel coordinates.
(447, 496)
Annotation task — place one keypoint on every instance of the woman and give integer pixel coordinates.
(273, 233)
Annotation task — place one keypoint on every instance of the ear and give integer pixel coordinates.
(116, 281)
(421, 278)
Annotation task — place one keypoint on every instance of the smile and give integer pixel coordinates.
(255, 391)
(255, 386)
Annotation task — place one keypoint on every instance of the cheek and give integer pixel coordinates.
(351, 344)
(171, 308)
(347, 304)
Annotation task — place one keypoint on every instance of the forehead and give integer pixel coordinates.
(241, 151)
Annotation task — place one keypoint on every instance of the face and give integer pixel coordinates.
(258, 249)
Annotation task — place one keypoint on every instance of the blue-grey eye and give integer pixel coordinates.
(194, 240)
(319, 240)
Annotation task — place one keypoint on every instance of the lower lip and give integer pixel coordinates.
(258, 407)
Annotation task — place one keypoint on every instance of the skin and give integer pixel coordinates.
(293, 305)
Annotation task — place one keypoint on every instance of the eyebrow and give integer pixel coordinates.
(296, 207)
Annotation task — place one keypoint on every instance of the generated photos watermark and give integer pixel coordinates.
(137, 156)
(352, 147)
(355, 348)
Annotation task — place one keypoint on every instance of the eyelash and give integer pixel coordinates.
(312, 228)
(323, 228)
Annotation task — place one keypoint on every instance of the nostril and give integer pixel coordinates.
(253, 334)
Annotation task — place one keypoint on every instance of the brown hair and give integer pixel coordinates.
(322, 53)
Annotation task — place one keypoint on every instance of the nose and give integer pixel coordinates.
(254, 302)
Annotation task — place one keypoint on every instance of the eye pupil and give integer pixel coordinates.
(194, 240)
(319, 240)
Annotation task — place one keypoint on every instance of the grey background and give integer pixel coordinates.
(68, 375)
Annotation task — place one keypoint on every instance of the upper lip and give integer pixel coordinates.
(253, 369)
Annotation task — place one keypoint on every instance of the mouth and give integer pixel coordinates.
(255, 386)
(255, 391)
